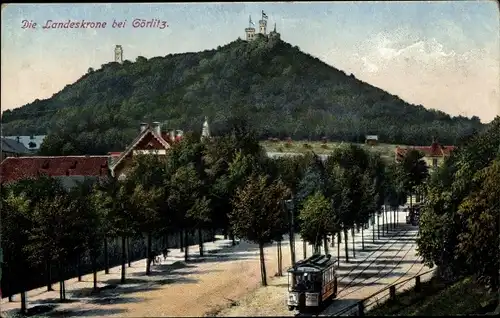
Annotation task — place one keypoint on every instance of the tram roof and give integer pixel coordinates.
(315, 263)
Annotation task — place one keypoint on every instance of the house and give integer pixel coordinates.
(151, 140)
(33, 142)
(434, 154)
(371, 140)
(69, 169)
(12, 148)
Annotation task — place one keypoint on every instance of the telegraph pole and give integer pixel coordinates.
(290, 207)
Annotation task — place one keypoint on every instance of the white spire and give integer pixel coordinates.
(205, 133)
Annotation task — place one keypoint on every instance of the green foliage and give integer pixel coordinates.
(480, 211)
(258, 214)
(439, 297)
(413, 170)
(283, 92)
(318, 219)
(459, 221)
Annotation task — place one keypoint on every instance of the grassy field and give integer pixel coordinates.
(439, 298)
(386, 151)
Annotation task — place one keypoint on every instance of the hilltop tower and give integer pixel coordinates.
(274, 33)
(119, 54)
(205, 132)
(263, 24)
(250, 31)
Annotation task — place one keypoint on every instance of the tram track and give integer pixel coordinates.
(396, 235)
(378, 278)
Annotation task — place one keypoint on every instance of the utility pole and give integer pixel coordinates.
(290, 207)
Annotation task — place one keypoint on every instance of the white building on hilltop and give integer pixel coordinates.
(250, 31)
(119, 54)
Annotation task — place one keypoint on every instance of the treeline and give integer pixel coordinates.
(460, 222)
(226, 183)
(283, 91)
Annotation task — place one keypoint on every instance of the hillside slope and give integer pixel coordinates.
(283, 91)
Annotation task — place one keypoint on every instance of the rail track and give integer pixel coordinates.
(378, 278)
(385, 246)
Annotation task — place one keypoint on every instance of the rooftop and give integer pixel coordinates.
(13, 146)
(17, 168)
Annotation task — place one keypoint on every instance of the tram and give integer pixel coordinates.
(413, 217)
(312, 283)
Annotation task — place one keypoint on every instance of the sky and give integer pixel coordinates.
(442, 55)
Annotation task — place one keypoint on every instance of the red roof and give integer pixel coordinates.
(434, 150)
(17, 168)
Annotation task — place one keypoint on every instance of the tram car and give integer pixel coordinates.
(312, 283)
(414, 216)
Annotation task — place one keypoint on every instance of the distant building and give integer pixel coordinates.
(205, 131)
(68, 169)
(33, 142)
(119, 54)
(12, 148)
(151, 140)
(250, 31)
(371, 140)
(434, 154)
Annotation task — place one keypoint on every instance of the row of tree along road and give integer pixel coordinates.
(223, 184)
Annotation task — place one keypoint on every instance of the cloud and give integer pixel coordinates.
(427, 72)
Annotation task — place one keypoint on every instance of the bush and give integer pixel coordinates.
(325, 146)
(307, 146)
(288, 145)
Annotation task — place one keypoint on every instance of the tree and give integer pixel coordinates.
(16, 219)
(145, 202)
(187, 200)
(37, 190)
(313, 180)
(348, 163)
(147, 174)
(414, 172)
(369, 198)
(90, 224)
(318, 220)
(98, 222)
(446, 190)
(114, 197)
(480, 211)
(57, 234)
(258, 213)
(238, 139)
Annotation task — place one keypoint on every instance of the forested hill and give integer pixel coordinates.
(283, 91)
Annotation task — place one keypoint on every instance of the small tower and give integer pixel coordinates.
(263, 24)
(274, 33)
(205, 132)
(250, 31)
(119, 54)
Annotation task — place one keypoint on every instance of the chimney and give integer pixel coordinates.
(172, 135)
(143, 126)
(157, 128)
